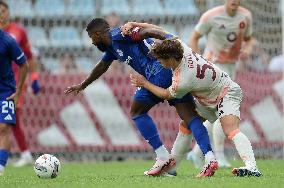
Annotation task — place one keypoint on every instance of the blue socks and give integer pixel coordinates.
(3, 157)
(148, 130)
(200, 134)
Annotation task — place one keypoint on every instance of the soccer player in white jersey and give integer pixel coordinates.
(217, 96)
(228, 29)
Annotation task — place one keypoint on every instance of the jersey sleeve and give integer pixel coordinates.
(248, 32)
(26, 45)
(204, 25)
(179, 87)
(16, 53)
(108, 57)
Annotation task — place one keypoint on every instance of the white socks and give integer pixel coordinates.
(162, 153)
(244, 149)
(209, 156)
(2, 168)
(218, 140)
(181, 146)
(26, 154)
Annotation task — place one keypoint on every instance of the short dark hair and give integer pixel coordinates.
(98, 24)
(4, 4)
(168, 48)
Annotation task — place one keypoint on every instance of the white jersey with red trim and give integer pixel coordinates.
(206, 82)
(225, 34)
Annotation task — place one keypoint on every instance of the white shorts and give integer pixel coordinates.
(229, 105)
(229, 68)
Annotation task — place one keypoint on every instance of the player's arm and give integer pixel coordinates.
(193, 41)
(140, 31)
(140, 81)
(98, 70)
(203, 27)
(126, 28)
(19, 58)
(34, 75)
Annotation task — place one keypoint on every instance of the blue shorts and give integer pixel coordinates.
(7, 112)
(162, 79)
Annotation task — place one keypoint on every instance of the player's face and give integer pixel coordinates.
(4, 15)
(100, 40)
(232, 4)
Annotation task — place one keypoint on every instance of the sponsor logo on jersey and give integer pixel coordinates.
(8, 117)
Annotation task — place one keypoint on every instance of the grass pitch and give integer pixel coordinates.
(130, 174)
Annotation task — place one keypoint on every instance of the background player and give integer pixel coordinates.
(226, 28)
(217, 96)
(133, 50)
(9, 95)
(19, 33)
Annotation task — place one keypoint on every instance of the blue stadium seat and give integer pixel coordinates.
(80, 7)
(180, 7)
(147, 7)
(185, 34)
(22, 8)
(85, 64)
(38, 37)
(171, 28)
(120, 7)
(48, 8)
(65, 37)
(86, 41)
(51, 64)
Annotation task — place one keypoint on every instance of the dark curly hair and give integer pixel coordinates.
(168, 48)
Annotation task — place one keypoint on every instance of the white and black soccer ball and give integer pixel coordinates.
(47, 166)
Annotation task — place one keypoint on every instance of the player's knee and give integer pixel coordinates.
(183, 128)
(4, 130)
(232, 134)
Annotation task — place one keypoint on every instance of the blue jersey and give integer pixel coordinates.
(9, 52)
(133, 53)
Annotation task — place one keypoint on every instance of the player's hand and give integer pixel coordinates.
(14, 97)
(244, 56)
(126, 28)
(137, 80)
(75, 88)
(35, 87)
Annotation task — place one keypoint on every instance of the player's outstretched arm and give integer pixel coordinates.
(126, 28)
(99, 69)
(140, 81)
(23, 71)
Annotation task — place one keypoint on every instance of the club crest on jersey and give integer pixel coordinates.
(242, 25)
(120, 53)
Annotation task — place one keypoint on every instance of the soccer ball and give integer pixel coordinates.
(47, 166)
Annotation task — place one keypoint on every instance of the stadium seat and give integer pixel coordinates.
(51, 64)
(171, 28)
(80, 7)
(147, 7)
(22, 8)
(85, 64)
(86, 41)
(180, 7)
(67, 37)
(41, 39)
(47, 8)
(120, 7)
(185, 34)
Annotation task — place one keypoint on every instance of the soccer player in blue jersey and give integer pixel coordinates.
(133, 50)
(9, 93)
